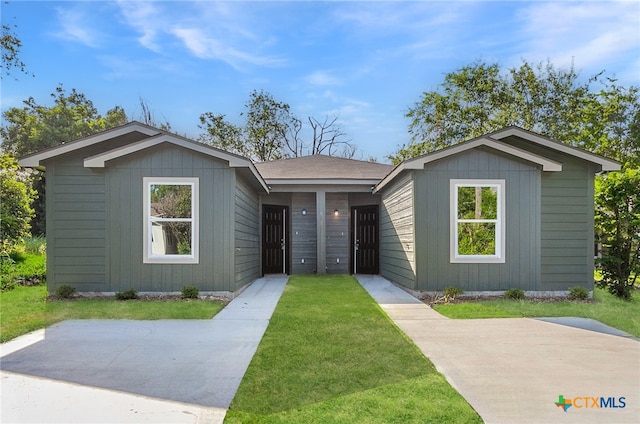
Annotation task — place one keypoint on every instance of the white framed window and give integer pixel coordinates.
(170, 234)
(477, 221)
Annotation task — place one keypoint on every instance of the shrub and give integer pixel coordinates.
(65, 291)
(452, 292)
(190, 292)
(515, 294)
(578, 293)
(127, 295)
(7, 270)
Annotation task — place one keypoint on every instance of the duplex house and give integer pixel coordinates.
(138, 207)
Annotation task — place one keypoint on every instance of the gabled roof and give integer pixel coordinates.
(493, 141)
(36, 159)
(605, 163)
(321, 169)
(153, 137)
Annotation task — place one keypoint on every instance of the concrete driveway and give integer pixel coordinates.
(515, 370)
(121, 371)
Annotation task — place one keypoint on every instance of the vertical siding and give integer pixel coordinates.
(303, 233)
(247, 241)
(75, 225)
(216, 268)
(337, 241)
(522, 195)
(397, 243)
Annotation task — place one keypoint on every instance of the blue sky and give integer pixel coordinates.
(365, 62)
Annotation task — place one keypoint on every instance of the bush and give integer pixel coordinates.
(514, 294)
(127, 295)
(65, 291)
(578, 293)
(7, 271)
(190, 292)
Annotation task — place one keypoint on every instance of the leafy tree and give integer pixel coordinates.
(271, 131)
(618, 226)
(15, 200)
(36, 127)
(480, 98)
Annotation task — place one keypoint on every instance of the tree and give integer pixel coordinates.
(271, 131)
(10, 46)
(15, 200)
(35, 127)
(618, 228)
(481, 98)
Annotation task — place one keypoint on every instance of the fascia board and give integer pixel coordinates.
(36, 158)
(322, 181)
(605, 163)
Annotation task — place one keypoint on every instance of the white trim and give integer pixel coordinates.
(147, 256)
(500, 221)
(547, 164)
(605, 163)
(36, 158)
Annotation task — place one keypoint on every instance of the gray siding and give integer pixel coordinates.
(522, 214)
(337, 233)
(397, 242)
(247, 240)
(215, 270)
(567, 222)
(303, 233)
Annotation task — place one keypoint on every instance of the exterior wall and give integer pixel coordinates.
(432, 209)
(247, 230)
(397, 239)
(337, 233)
(75, 212)
(215, 270)
(567, 221)
(303, 234)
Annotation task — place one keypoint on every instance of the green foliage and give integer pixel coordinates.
(618, 229)
(66, 291)
(480, 98)
(10, 46)
(130, 294)
(578, 293)
(35, 127)
(7, 273)
(24, 266)
(514, 294)
(15, 201)
(449, 294)
(190, 292)
(477, 203)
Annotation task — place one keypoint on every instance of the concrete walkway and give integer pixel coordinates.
(122, 371)
(514, 370)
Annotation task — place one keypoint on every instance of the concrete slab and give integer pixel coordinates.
(191, 362)
(514, 370)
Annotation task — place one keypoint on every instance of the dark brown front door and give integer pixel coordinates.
(365, 239)
(274, 239)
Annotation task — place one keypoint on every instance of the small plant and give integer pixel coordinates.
(66, 291)
(578, 293)
(514, 294)
(190, 292)
(449, 294)
(127, 295)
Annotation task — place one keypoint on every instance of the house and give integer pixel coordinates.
(138, 207)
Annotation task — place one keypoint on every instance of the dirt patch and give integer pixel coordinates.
(439, 300)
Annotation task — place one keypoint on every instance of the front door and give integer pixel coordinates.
(274, 239)
(365, 239)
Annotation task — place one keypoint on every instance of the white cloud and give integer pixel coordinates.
(145, 18)
(76, 26)
(591, 33)
(322, 78)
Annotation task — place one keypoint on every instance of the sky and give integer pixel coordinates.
(366, 63)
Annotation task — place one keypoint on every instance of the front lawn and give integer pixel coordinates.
(608, 309)
(331, 355)
(25, 309)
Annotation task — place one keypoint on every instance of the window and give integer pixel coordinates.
(477, 221)
(170, 220)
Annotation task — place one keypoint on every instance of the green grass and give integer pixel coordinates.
(330, 355)
(25, 309)
(608, 309)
